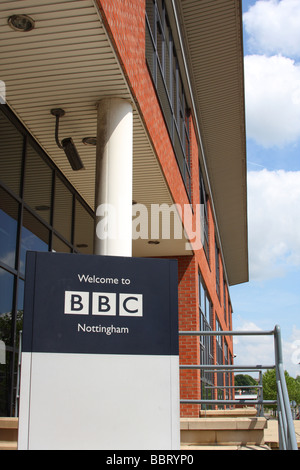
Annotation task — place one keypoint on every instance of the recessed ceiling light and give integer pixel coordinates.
(21, 23)
(89, 140)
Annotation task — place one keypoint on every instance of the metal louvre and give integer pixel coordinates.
(212, 34)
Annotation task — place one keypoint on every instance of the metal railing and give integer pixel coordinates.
(286, 430)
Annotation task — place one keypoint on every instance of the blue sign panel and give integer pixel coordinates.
(100, 305)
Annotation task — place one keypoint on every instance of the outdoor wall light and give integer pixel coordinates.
(21, 23)
(67, 144)
(153, 242)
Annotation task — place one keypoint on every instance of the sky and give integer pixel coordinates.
(272, 100)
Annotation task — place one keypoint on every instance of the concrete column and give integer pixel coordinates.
(113, 192)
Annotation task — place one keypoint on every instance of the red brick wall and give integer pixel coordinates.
(189, 350)
(125, 23)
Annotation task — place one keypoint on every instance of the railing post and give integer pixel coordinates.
(286, 430)
(286, 433)
(260, 394)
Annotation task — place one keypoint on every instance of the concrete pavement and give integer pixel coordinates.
(271, 433)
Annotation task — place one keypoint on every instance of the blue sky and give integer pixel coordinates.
(272, 98)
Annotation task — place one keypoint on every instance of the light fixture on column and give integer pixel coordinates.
(67, 144)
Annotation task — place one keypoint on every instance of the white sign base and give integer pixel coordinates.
(102, 417)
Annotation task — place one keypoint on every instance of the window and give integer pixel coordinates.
(6, 337)
(34, 237)
(203, 215)
(217, 252)
(225, 302)
(37, 212)
(11, 154)
(227, 374)
(219, 357)
(164, 68)
(229, 316)
(219, 343)
(9, 209)
(38, 184)
(84, 229)
(206, 350)
(63, 209)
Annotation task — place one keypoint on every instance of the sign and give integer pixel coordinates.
(100, 360)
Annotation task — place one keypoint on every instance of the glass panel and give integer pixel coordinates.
(6, 306)
(20, 308)
(202, 293)
(8, 228)
(167, 62)
(160, 45)
(150, 52)
(84, 230)
(175, 108)
(11, 150)
(150, 14)
(38, 184)
(34, 237)
(164, 101)
(19, 328)
(160, 9)
(207, 308)
(63, 209)
(59, 246)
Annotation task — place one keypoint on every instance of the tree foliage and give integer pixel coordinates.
(245, 380)
(270, 390)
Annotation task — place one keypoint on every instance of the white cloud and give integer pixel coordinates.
(273, 27)
(291, 352)
(274, 222)
(259, 350)
(272, 95)
(252, 350)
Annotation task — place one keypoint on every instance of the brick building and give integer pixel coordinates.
(176, 69)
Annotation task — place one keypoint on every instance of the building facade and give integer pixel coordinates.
(178, 67)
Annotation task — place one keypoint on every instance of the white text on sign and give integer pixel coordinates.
(103, 303)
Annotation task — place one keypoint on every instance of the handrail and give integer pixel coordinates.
(286, 430)
(287, 437)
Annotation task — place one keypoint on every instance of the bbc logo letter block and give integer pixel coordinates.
(103, 303)
(100, 362)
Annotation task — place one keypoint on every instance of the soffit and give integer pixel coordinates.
(212, 34)
(68, 62)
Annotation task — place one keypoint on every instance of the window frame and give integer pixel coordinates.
(17, 194)
(171, 93)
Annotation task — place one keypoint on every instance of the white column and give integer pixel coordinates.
(113, 192)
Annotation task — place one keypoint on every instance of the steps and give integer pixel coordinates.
(223, 433)
(206, 433)
(8, 433)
